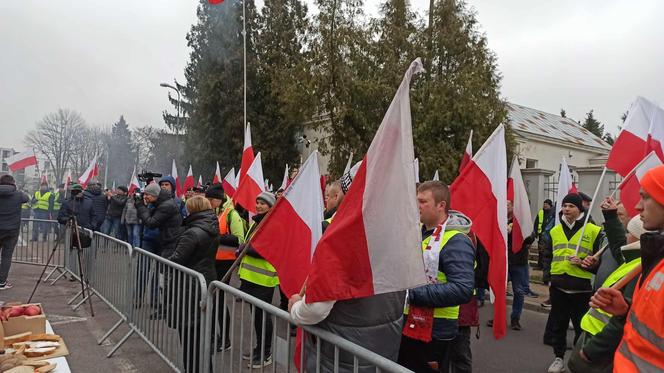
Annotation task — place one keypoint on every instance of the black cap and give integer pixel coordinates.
(548, 201)
(216, 192)
(574, 199)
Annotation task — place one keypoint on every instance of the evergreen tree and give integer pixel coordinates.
(121, 157)
(593, 125)
(608, 138)
(563, 113)
(461, 91)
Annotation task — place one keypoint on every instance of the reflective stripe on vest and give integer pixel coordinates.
(56, 201)
(595, 319)
(451, 313)
(42, 200)
(563, 249)
(25, 206)
(257, 270)
(540, 221)
(642, 346)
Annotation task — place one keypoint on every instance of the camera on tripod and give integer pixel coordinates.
(147, 177)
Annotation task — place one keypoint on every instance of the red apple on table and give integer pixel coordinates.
(16, 311)
(32, 310)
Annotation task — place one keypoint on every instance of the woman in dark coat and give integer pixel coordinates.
(195, 249)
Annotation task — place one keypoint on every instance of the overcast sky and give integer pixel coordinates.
(107, 58)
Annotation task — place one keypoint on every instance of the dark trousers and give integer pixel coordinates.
(8, 241)
(222, 266)
(265, 294)
(566, 307)
(461, 356)
(416, 355)
(519, 276)
(190, 337)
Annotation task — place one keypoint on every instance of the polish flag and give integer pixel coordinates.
(565, 186)
(229, 183)
(480, 192)
(416, 167)
(251, 186)
(247, 154)
(436, 177)
(89, 173)
(200, 181)
(631, 184)
(369, 249)
(632, 142)
(133, 183)
(284, 181)
(174, 173)
(522, 226)
(67, 180)
(188, 181)
(22, 160)
(288, 236)
(217, 176)
(468, 153)
(656, 132)
(215, 2)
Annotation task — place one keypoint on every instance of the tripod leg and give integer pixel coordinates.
(84, 283)
(50, 257)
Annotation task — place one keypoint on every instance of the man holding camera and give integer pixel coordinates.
(165, 216)
(79, 206)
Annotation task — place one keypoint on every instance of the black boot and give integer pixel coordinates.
(515, 324)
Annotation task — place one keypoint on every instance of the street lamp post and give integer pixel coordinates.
(177, 121)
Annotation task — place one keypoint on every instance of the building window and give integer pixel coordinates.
(5, 168)
(5, 154)
(531, 163)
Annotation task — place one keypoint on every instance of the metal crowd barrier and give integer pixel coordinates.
(238, 327)
(35, 243)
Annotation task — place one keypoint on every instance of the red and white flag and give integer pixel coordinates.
(468, 153)
(284, 181)
(251, 186)
(632, 142)
(565, 186)
(247, 154)
(288, 236)
(68, 180)
(215, 2)
(522, 223)
(369, 249)
(89, 173)
(200, 181)
(188, 181)
(631, 184)
(229, 183)
(656, 132)
(174, 174)
(217, 175)
(133, 183)
(480, 192)
(22, 160)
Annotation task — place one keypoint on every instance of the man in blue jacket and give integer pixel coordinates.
(168, 183)
(449, 260)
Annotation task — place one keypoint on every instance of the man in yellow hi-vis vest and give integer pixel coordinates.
(449, 259)
(42, 206)
(570, 288)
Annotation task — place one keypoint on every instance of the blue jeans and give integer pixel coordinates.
(143, 279)
(519, 276)
(111, 226)
(134, 235)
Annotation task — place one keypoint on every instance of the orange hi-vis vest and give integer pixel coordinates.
(642, 345)
(225, 252)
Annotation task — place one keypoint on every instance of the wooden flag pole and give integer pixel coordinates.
(592, 203)
(628, 277)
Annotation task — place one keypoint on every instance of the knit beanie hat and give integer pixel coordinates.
(76, 187)
(574, 199)
(635, 227)
(152, 189)
(267, 197)
(653, 183)
(548, 201)
(215, 192)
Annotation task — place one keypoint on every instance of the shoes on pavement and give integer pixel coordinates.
(5, 286)
(546, 304)
(489, 323)
(256, 363)
(557, 366)
(224, 346)
(515, 325)
(532, 294)
(509, 294)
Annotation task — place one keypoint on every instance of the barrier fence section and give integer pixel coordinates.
(35, 244)
(241, 350)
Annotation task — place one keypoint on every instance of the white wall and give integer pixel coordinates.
(548, 155)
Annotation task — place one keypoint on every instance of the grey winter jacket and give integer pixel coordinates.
(456, 260)
(10, 207)
(129, 213)
(99, 204)
(374, 323)
(166, 217)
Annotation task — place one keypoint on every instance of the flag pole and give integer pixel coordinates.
(592, 203)
(244, 41)
(628, 277)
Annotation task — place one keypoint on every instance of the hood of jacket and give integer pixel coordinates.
(205, 220)
(458, 221)
(7, 190)
(171, 180)
(92, 192)
(164, 195)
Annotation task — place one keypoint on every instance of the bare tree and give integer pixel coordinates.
(144, 141)
(90, 142)
(55, 138)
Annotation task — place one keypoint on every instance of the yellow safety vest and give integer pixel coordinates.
(25, 206)
(563, 249)
(540, 221)
(56, 201)
(42, 200)
(595, 319)
(451, 313)
(257, 270)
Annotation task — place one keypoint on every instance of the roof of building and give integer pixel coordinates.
(532, 121)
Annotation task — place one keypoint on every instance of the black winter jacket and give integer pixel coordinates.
(116, 205)
(83, 209)
(197, 245)
(166, 217)
(10, 207)
(99, 203)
